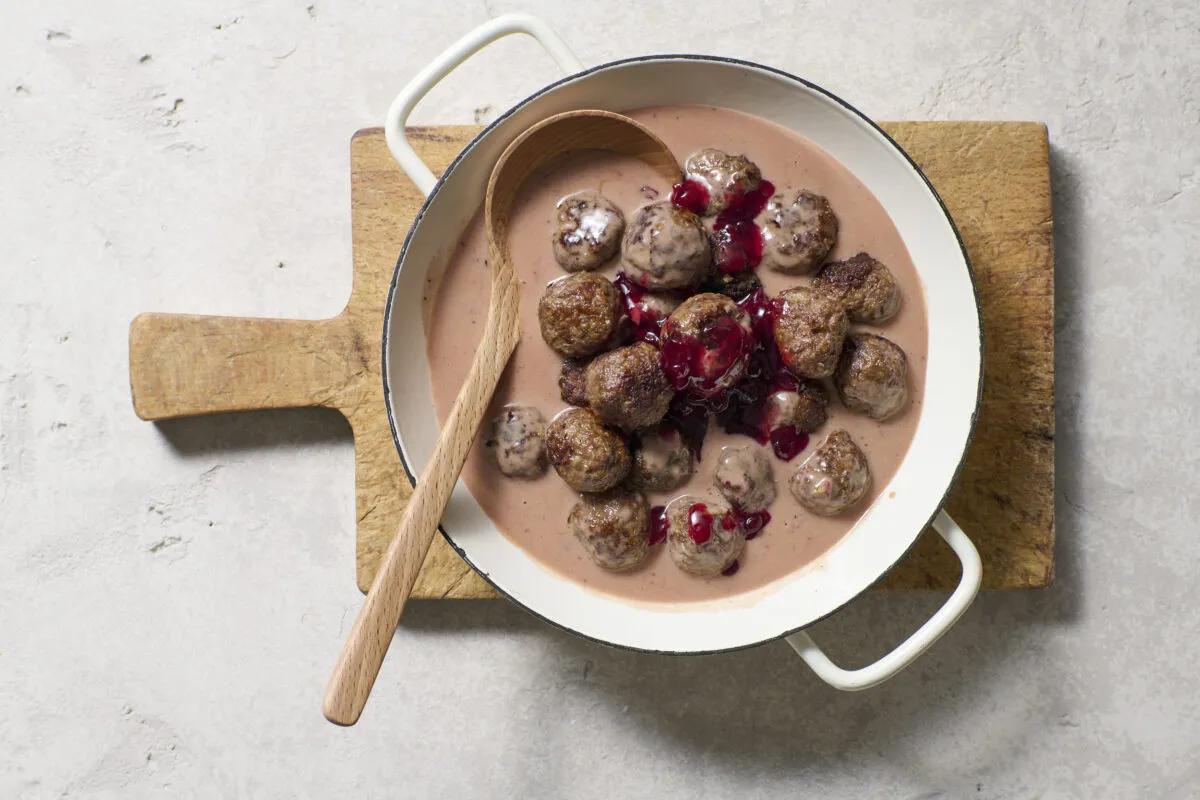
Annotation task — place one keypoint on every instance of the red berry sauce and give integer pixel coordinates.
(731, 569)
(646, 320)
(691, 196)
(744, 406)
(753, 522)
(737, 241)
(700, 364)
(788, 442)
(695, 366)
(699, 523)
(763, 310)
(658, 525)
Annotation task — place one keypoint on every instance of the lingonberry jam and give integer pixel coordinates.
(699, 523)
(658, 525)
(737, 246)
(739, 408)
(788, 442)
(520, 508)
(736, 239)
(645, 319)
(702, 364)
(690, 195)
(743, 410)
(762, 310)
(752, 521)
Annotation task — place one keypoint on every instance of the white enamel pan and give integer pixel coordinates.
(952, 385)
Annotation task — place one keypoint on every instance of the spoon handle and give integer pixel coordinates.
(363, 652)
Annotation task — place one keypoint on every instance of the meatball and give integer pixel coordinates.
(722, 175)
(744, 477)
(833, 478)
(706, 344)
(614, 528)
(626, 387)
(572, 382)
(586, 454)
(665, 247)
(704, 536)
(798, 231)
(809, 328)
(864, 287)
(802, 407)
(517, 441)
(662, 461)
(587, 232)
(578, 314)
(872, 376)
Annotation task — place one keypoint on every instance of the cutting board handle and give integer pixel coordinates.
(182, 365)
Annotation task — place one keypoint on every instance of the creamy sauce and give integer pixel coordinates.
(533, 513)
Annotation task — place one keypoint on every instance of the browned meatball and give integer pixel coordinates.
(517, 441)
(802, 407)
(744, 477)
(833, 478)
(872, 376)
(809, 329)
(588, 231)
(704, 535)
(864, 287)
(586, 454)
(614, 528)
(572, 381)
(665, 247)
(627, 387)
(798, 231)
(722, 175)
(578, 314)
(662, 461)
(706, 344)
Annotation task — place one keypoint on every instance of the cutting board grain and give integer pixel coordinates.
(994, 178)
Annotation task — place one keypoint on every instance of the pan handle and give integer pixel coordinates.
(444, 64)
(853, 680)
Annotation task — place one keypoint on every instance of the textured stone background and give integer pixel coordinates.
(171, 598)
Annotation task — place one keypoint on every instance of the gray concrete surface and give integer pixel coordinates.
(172, 598)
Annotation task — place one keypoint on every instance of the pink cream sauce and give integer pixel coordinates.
(533, 513)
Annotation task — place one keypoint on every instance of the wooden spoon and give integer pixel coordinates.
(550, 139)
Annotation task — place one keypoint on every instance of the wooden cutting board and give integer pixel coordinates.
(993, 176)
